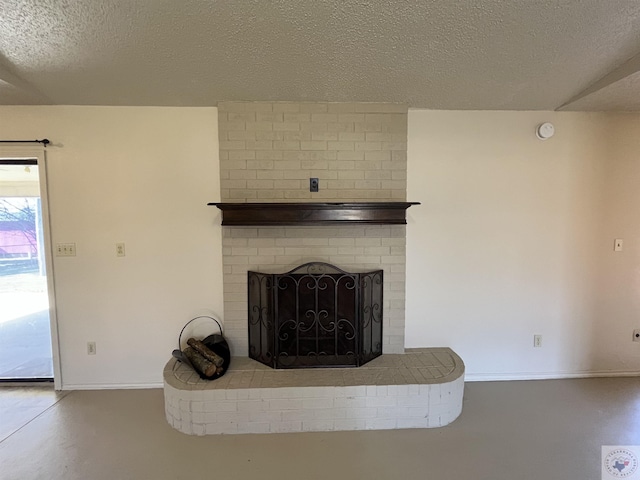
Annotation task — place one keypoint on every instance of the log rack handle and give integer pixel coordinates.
(193, 319)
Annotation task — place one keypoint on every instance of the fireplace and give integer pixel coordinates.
(272, 222)
(268, 154)
(315, 315)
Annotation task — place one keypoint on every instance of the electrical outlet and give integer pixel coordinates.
(65, 250)
(636, 335)
(537, 341)
(618, 244)
(314, 184)
(120, 249)
(91, 348)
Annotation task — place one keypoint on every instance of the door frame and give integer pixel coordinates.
(39, 154)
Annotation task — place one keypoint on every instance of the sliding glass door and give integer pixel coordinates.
(25, 326)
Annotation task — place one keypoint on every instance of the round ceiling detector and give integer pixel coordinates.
(545, 130)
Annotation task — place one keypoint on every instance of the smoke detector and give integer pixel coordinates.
(545, 130)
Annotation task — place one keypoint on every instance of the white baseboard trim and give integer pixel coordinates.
(468, 377)
(111, 386)
(504, 377)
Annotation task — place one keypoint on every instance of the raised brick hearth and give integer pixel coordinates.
(419, 389)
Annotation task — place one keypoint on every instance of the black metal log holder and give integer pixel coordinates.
(215, 342)
(315, 315)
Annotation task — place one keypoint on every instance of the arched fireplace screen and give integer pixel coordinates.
(316, 315)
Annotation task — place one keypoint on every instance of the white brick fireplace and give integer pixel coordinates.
(268, 153)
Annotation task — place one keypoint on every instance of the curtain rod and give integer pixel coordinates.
(44, 141)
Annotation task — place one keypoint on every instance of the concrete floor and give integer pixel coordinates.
(25, 331)
(25, 347)
(534, 430)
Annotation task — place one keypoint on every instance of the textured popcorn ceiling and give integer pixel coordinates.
(445, 54)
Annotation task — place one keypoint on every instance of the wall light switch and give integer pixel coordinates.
(617, 245)
(65, 249)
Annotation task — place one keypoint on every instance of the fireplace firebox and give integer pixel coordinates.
(315, 315)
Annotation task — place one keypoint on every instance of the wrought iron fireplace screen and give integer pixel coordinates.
(316, 315)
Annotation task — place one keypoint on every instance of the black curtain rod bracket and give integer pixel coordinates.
(44, 141)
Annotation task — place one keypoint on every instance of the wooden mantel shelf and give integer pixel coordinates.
(302, 213)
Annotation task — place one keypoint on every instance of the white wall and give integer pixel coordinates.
(514, 237)
(141, 176)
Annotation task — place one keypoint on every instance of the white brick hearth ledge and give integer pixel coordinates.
(422, 388)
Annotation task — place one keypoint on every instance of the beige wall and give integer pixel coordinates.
(142, 176)
(618, 302)
(515, 238)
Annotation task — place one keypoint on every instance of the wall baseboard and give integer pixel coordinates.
(469, 377)
(111, 386)
(505, 377)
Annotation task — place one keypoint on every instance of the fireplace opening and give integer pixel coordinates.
(315, 315)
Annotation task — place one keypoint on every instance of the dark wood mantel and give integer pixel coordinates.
(302, 213)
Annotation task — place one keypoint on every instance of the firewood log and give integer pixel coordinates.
(200, 363)
(206, 352)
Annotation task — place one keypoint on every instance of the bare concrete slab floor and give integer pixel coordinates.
(21, 405)
(25, 347)
(25, 332)
(526, 430)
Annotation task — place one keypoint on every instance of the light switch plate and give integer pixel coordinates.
(65, 249)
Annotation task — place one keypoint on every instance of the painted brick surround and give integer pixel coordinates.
(268, 152)
(419, 389)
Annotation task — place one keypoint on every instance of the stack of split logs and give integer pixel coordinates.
(203, 359)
